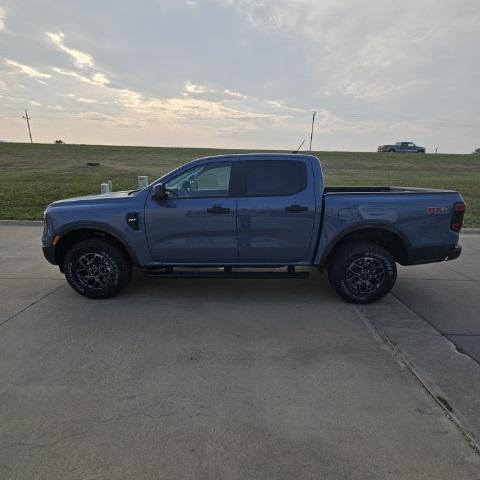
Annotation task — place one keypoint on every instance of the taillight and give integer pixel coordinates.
(458, 212)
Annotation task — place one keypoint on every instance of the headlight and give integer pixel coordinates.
(47, 225)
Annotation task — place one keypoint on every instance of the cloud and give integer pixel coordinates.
(3, 16)
(237, 95)
(98, 79)
(26, 70)
(375, 90)
(192, 88)
(112, 120)
(86, 100)
(81, 59)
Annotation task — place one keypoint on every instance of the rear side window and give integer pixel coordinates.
(274, 177)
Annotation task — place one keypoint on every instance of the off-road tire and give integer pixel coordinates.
(362, 272)
(108, 269)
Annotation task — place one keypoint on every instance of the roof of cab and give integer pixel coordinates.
(261, 156)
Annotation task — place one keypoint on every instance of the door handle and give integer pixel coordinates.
(218, 209)
(296, 208)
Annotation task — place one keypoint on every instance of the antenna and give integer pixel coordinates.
(311, 133)
(27, 118)
(299, 147)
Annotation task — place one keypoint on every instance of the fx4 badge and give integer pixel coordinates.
(438, 210)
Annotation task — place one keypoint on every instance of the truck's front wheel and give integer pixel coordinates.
(362, 272)
(97, 268)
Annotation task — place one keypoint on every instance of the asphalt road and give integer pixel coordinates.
(234, 379)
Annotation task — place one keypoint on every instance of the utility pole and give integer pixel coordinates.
(27, 118)
(311, 133)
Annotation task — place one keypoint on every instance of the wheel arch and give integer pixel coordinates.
(392, 240)
(70, 236)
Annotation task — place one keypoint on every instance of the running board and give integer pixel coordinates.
(226, 273)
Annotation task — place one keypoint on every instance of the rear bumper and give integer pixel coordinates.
(419, 256)
(455, 253)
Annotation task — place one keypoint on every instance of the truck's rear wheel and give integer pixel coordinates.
(97, 268)
(362, 272)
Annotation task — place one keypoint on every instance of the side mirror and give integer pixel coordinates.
(159, 192)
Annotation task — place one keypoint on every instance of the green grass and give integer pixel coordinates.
(31, 176)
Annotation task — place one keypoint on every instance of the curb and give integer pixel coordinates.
(22, 223)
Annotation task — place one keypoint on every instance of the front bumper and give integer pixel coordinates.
(455, 253)
(49, 254)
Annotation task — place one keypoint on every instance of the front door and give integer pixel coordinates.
(196, 223)
(276, 216)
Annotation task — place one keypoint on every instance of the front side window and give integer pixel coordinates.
(274, 177)
(209, 180)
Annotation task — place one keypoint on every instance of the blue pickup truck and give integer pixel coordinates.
(252, 215)
(401, 147)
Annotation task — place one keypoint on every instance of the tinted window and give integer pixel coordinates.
(209, 180)
(273, 177)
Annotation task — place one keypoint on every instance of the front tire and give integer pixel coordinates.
(362, 272)
(97, 268)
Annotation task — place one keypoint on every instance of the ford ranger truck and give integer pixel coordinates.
(252, 215)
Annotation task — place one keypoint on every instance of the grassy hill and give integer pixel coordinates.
(31, 176)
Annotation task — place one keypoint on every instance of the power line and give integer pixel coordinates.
(27, 118)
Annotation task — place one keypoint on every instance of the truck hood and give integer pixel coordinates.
(92, 199)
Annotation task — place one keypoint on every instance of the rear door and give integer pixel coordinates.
(277, 212)
(196, 223)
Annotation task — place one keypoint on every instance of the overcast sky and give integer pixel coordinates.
(242, 73)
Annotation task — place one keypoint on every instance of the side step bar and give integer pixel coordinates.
(227, 272)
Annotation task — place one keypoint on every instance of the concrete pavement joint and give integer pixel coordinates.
(431, 324)
(31, 305)
(439, 400)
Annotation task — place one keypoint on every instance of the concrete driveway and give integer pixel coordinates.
(211, 379)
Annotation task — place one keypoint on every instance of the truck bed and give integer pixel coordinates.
(380, 189)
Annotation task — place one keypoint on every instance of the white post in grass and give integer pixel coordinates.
(110, 186)
(142, 181)
(104, 188)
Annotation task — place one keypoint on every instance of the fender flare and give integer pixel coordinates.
(358, 228)
(100, 227)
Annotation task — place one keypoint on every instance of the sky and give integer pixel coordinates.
(242, 73)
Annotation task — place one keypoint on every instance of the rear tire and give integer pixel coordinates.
(97, 268)
(392, 150)
(362, 272)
